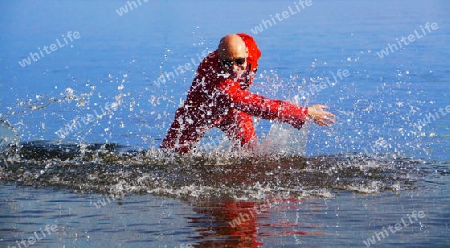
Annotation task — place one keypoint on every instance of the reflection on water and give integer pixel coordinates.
(241, 224)
(145, 220)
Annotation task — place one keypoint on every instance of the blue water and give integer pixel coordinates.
(106, 82)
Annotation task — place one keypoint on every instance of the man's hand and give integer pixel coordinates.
(321, 117)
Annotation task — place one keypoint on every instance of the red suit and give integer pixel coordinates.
(214, 100)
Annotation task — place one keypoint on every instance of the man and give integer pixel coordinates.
(219, 97)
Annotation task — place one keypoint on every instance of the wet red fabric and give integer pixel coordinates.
(214, 100)
(253, 51)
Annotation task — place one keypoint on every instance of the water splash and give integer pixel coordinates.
(110, 168)
(8, 136)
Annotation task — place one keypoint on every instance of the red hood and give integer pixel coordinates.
(253, 51)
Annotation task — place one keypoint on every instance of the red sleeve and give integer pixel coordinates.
(264, 107)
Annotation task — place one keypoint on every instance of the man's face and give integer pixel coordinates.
(234, 61)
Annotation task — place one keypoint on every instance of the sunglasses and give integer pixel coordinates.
(229, 62)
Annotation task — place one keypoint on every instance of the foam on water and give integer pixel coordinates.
(111, 169)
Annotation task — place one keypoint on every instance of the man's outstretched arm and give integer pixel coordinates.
(267, 108)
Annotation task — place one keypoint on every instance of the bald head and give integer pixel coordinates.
(233, 54)
(231, 47)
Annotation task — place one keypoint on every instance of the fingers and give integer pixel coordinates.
(323, 122)
(322, 117)
(329, 117)
(327, 114)
(330, 120)
(320, 107)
